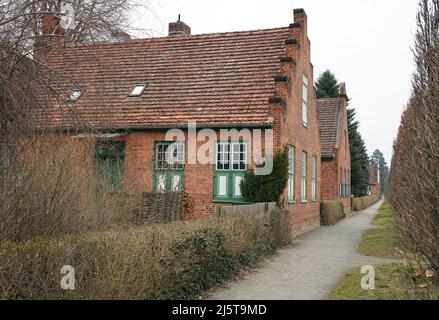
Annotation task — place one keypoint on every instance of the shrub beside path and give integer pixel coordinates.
(310, 267)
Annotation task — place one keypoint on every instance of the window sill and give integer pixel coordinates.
(231, 201)
(304, 201)
(292, 202)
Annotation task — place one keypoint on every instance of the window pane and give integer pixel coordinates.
(223, 156)
(176, 185)
(305, 94)
(291, 160)
(291, 188)
(222, 186)
(304, 175)
(237, 191)
(236, 156)
(161, 183)
(305, 113)
(243, 157)
(138, 90)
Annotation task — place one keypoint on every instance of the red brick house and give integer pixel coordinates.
(336, 156)
(374, 180)
(135, 91)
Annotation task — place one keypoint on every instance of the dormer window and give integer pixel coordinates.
(138, 90)
(75, 95)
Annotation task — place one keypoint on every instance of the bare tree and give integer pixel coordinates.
(38, 193)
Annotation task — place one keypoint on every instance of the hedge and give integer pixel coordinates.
(365, 202)
(331, 212)
(174, 261)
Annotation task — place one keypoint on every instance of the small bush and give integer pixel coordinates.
(267, 188)
(331, 212)
(175, 261)
(365, 202)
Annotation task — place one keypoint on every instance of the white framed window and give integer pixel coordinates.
(291, 173)
(341, 183)
(231, 164)
(138, 90)
(305, 101)
(169, 156)
(169, 164)
(304, 176)
(74, 96)
(314, 178)
(231, 156)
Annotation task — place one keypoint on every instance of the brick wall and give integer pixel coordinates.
(289, 128)
(375, 190)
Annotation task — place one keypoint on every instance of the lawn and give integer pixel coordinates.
(392, 282)
(381, 241)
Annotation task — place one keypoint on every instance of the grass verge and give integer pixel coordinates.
(392, 281)
(382, 241)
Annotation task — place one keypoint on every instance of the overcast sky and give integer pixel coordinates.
(366, 43)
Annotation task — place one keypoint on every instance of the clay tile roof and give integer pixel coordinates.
(329, 118)
(215, 79)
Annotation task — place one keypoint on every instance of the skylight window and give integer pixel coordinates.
(138, 90)
(74, 96)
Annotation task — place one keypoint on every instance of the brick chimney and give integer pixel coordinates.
(52, 36)
(342, 87)
(179, 28)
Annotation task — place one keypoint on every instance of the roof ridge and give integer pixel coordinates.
(175, 38)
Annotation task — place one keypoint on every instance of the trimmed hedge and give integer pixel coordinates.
(175, 261)
(331, 212)
(365, 202)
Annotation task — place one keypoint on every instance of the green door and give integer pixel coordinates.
(109, 164)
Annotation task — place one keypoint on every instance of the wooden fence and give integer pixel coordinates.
(161, 207)
(245, 209)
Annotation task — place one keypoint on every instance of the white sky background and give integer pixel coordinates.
(366, 43)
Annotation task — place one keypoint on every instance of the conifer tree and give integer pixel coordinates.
(327, 85)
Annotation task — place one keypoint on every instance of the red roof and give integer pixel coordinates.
(330, 117)
(222, 79)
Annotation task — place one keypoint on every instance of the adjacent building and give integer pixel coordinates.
(374, 180)
(335, 150)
